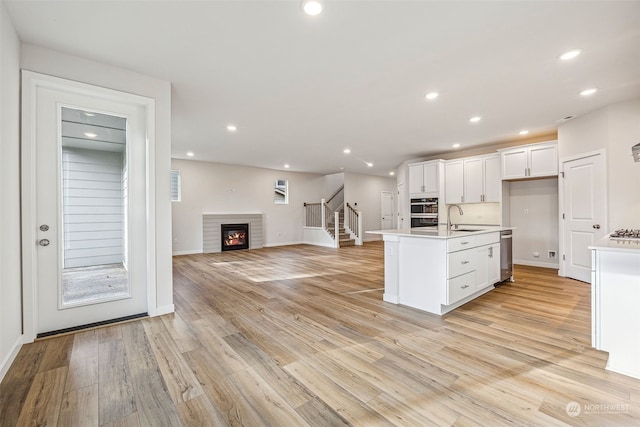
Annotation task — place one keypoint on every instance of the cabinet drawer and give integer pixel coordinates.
(461, 262)
(461, 287)
(460, 243)
(487, 238)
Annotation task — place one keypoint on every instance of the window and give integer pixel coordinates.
(281, 192)
(175, 186)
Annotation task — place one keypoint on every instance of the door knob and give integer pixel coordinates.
(43, 242)
(596, 226)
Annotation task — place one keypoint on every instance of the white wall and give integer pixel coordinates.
(331, 183)
(534, 213)
(46, 61)
(220, 188)
(10, 275)
(615, 129)
(363, 192)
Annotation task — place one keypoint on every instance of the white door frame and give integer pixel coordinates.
(400, 207)
(30, 83)
(561, 222)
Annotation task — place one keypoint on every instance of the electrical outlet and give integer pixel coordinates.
(551, 255)
(526, 211)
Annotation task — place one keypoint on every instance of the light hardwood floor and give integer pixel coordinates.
(299, 335)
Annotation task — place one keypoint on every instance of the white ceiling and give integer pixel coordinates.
(300, 89)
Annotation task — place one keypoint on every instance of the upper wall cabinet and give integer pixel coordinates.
(473, 180)
(425, 179)
(530, 161)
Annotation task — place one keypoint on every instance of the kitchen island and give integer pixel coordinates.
(437, 270)
(615, 299)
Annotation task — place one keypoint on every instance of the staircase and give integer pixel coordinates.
(344, 238)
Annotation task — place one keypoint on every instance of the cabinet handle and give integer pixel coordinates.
(491, 252)
(464, 243)
(464, 286)
(464, 262)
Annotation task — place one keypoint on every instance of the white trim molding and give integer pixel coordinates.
(31, 82)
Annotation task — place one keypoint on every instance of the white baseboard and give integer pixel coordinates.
(536, 263)
(192, 252)
(8, 360)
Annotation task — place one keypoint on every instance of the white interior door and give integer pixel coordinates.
(387, 210)
(584, 209)
(89, 206)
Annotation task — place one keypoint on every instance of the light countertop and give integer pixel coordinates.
(441, 232)
(607, 244)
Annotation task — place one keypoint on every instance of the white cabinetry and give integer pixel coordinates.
(473, 264)
(473, 180)
(491, 179)
(488, 271)
(530, 161)
(615, 298)
(454, 182)
(437, 273)
(425, 179)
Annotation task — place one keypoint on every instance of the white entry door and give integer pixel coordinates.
(86, 205)
(584, 209)
(387, 210)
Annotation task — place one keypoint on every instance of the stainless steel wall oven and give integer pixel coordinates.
(424, 212)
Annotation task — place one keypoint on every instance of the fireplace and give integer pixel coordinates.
(234, 237)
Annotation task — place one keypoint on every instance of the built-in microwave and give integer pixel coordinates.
(424, 212)
(424, 206)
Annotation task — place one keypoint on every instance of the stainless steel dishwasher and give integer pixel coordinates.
(506, 256)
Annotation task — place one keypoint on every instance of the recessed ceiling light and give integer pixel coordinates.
(523, 132)
(286, 165)
(311, 7)
(369, 164)
(456, 145)
(346, 151)
(570, 54)
(589, 91)
(232, 128)
(190, 153)
(90, 134)
(564, 119)
(392, 173)
(431, 96)
(88, 114)
(475, 119)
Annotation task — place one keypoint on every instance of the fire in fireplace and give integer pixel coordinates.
(234, 236)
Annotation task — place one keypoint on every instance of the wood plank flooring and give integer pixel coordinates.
(299, 335)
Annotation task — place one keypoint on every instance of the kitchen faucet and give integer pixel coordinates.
(449, 215)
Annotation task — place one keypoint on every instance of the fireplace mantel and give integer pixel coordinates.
(211, 228)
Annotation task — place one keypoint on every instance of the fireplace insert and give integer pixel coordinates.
(234, 237)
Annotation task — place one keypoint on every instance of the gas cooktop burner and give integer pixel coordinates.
(625, 234)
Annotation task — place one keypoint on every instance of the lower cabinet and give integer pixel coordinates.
(473, 268)
(461, 287)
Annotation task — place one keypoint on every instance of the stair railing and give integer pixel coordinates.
(353, 223)
(337, 199)
(313, 215)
